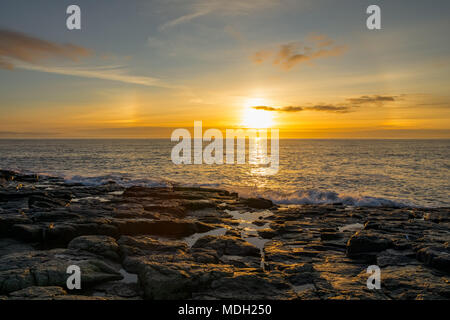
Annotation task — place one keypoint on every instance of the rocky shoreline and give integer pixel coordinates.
(197, 243)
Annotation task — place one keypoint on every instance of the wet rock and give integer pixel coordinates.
(414, 282)
(250, 286)
(198, 204)
(8, 220)
(366, 241)
(170, 228)
(325, 236)
(145, 245)
(118, 289)
(40, 201)
(49, 268)
(227, 245)
(267, 233)
(241, 262)
(436, 256)
(259, 203)
(175, 210)
(38, 293)
(392, 257)
(8, 246)
(100, 245)
(202, 255)
(178, 280)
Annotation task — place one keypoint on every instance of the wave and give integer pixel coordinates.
(312, 196)
(278, 197)
(119, 179)
(298, 197)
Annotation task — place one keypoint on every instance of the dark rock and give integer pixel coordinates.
(325, 236)
(259, 203)
(367, 241)
(100, 245)
(436, 256)
(227, 245)
(38, 293)
(168, 281)
(8, 246)
(145, 245)
(267, 233)
(198, 204)
(49, 268)
(39, 201)
(250, 286)
(170, 228)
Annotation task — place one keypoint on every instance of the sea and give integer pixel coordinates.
(412, 173)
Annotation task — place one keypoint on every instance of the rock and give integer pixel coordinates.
(367, 241)
(176, 210)
(49, 268)
(414, 282)
(198, 204)
(8, 246)
(228, 245)
(118, 289)
(100, 245)
(61, 233)
(39, 201)
(38, 293)
(392, 257)
(267, 233)
(9, 220)
(169, 281)
(325, 236)
(313, 252)
(436, 256)
(241, 262)
(171, 228)
(258, 203)
(250, 286)
(145, 245)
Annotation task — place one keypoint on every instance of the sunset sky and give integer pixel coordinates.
(140, 68)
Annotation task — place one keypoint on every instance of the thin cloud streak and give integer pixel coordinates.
(319, 108)
(113, 73)
(372, 99)
(228, 7)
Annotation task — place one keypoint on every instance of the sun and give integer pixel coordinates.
(256, 118)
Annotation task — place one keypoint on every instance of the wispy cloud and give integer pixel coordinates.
(201, 8)
(16, 46)
(21, 51)
(319, 108)
(113, 73)
(372, 99)
(287, 56)
(345, 107)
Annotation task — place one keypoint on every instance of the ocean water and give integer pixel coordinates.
(355, 172)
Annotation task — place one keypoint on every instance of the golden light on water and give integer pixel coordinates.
(254, 118)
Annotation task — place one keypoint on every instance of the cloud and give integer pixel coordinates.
(330, 108)
(112, 73)
(287, 56)
(372, 99)
(319, 108)
(202, 8)
(16, 46)
(345, 107)
(21, 51)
